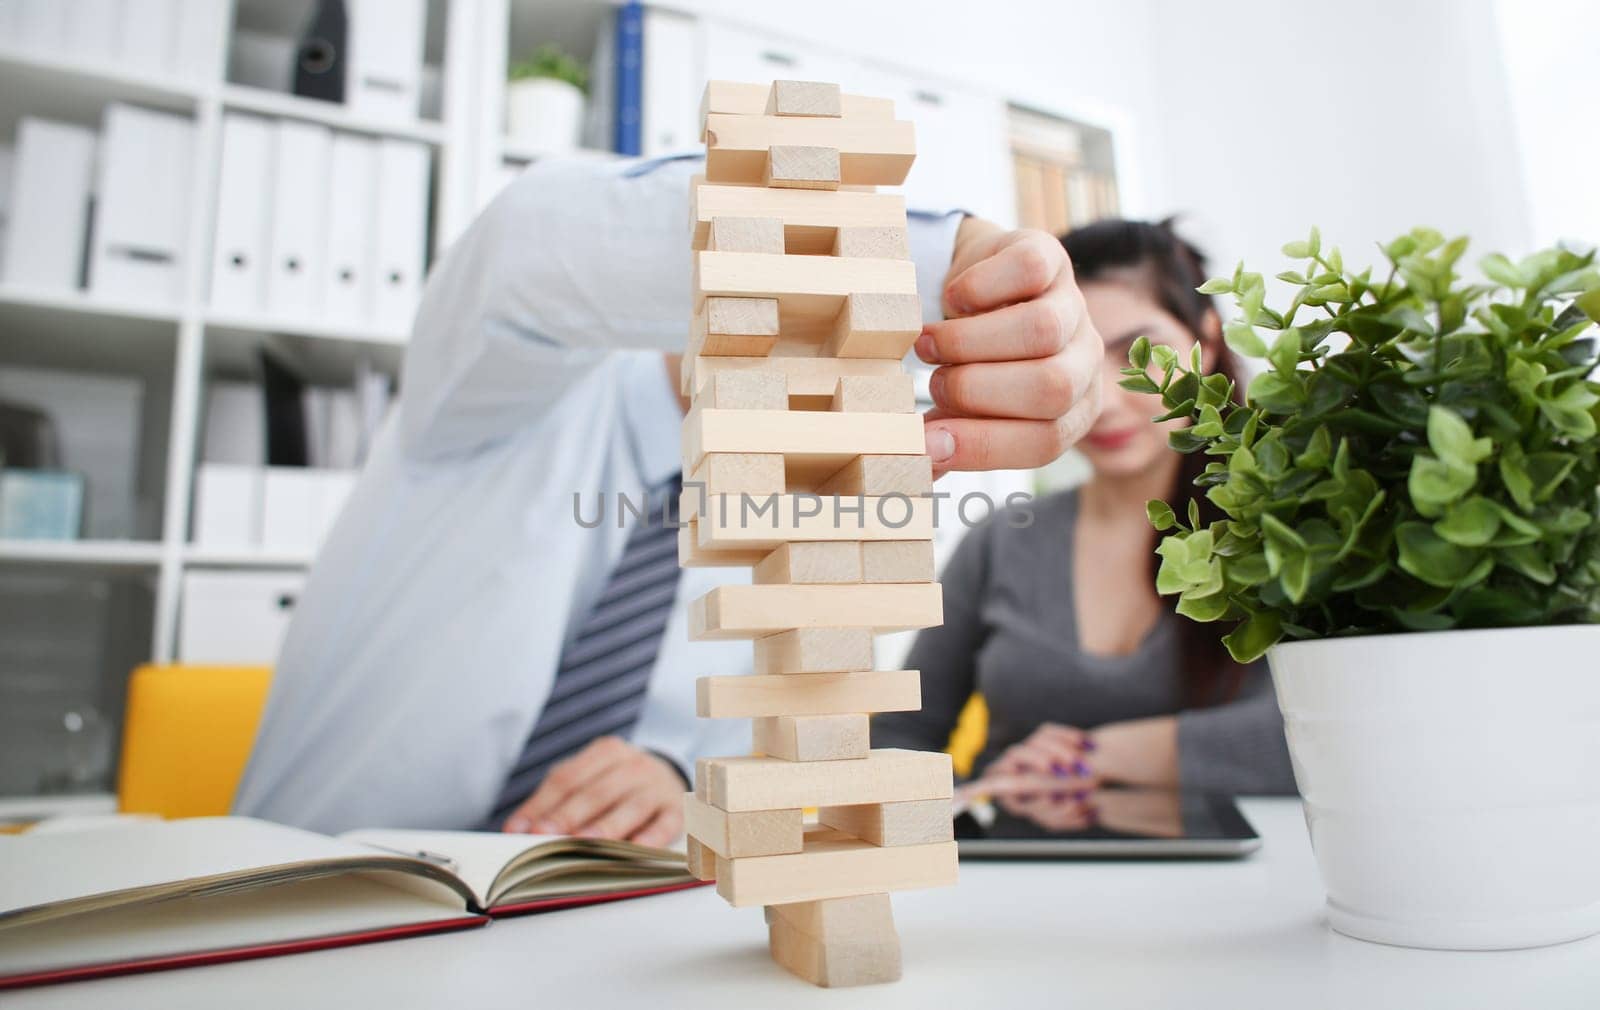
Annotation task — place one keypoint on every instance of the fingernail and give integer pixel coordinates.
(517, 825)
(941, 444)
(927, 350)
(546, 828)
(1021, 767)
(1060, 771)
(1080, 769)
(1088, 745)
(936, 385)
(1057, 797)
(1081, 795)
(1026, 797)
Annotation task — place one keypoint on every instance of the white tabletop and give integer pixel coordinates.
(1232, 935)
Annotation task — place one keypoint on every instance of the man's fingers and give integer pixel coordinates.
(1005, 443)
(1031, 390)
(662, 829)
(1035, 329)
(597, 797)
(1021, 267)
(563, 780)
(634, 811)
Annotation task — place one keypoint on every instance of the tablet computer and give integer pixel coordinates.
(1105, 824)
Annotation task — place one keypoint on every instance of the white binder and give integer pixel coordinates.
(48, 207)
(402, 232)
(383, 76)
(93, 29)
(244, 213)
(41, 25)
(349, 265)
(142, 205)
(146, 32)
(299, 218)
(200, 39)
(227, 506)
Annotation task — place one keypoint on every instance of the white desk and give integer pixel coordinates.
(1229, 935)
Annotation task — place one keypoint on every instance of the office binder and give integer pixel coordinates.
(349, 264)
(299, 218)
(384, 77)
(39, 24)
(48, 206)
(146, 32)
(630, 76)
(93, 29)
(244, 212)
(320, 63)
(200, 40)
(142, 206)
(402, 232)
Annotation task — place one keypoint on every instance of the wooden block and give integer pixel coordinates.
(751, 833)
(804, 98)
(815, 650)
(874, 324)
(888, 242)
(834, 865)
(875, 394)
(808, 377)
(746, 235)
(897, 561)
(793, 563)
(838, 920)
(736, 472)
(747, 390)
(795, 167)
(757, 695)
(881, 475)
(745, 521)
(741, 317)
(752, 611)
(811, 218)
(827, 440)
(883, 776)
(743, 98)
(909, 822)
(812, 737)
(813, 292)
(871, 152)
(834, 964)
(702, 776)
(692, 555)
(702, 861)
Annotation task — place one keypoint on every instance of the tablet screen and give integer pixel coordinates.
(1106, 822)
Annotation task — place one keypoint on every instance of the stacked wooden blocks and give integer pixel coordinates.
(805, 461)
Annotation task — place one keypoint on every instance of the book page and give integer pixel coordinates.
(142, 860)
(477, 857)
(293, 911)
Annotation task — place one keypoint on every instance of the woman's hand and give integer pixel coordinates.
(1051, 753)
(1019, 361)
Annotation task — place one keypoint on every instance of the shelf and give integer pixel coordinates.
(62, 87)
(243, 557)
(21, 809)
(332, 114)
(512, 149)
(322, 353)
(81, 554)
(75, 330)
(310, 329)
(86, 303)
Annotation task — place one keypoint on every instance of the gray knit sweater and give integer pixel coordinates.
(1010, 631)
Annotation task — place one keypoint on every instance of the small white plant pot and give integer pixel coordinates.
(544, 113)
(1451, 782)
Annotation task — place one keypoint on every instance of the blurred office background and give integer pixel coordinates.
(211, 248)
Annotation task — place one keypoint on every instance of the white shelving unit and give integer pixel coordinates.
(178, 349)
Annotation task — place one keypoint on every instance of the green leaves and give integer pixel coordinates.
(1420, 453)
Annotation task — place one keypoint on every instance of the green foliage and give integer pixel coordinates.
(550, 60)
(1418, 454)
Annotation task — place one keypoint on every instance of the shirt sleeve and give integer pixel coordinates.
(1237, 747)
(573, 260)
(947, 655)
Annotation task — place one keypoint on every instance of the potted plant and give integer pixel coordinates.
(544, 100)
(1411, 537)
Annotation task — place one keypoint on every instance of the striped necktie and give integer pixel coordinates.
(600, 684)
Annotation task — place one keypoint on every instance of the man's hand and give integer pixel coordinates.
(1020, 363)
(610, 789)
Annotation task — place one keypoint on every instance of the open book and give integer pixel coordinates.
(162, 894)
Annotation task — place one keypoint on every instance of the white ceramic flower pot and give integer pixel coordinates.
(1451, 782)
(544, 113)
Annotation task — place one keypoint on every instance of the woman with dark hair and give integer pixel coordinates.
(1051, 611)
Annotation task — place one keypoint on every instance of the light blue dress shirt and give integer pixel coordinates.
(433, 621)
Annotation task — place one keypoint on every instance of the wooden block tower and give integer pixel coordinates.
(804, 459)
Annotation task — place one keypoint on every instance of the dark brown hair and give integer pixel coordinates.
(1154, 259)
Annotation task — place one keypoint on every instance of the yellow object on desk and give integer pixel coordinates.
(187, 736)
(969, 736)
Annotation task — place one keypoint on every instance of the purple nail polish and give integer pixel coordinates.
(1082, 795)
(1080, 768)
(1059, 770)
(1057, 797)
(1088, 746)
(1026, 797)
